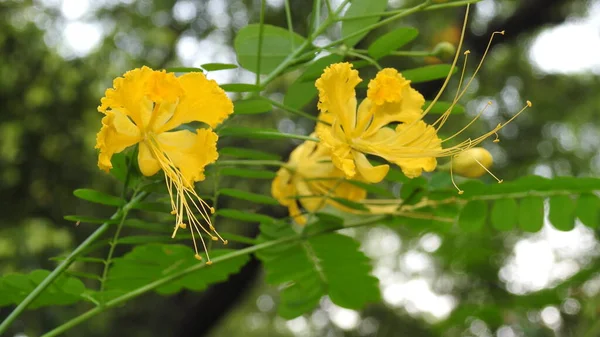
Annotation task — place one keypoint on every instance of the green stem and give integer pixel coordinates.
(288, 19)
(399, 15)
(429, 8)
(261, 30)
(65, 264)
(162, 281)
(364, 57)
(113, 244)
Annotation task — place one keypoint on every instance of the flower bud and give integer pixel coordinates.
(444, 50)
(472, 163)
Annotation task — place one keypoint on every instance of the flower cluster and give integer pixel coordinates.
(388, 124)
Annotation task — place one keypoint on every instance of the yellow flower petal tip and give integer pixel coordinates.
(145, 107)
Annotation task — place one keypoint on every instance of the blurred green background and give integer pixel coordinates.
(58, 56)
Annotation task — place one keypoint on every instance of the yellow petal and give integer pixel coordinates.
(129, 95)
(190, 152)
(420, 146)
(203, 101)
(282, 187)
(147, 162)
(372, 174)
(117, 133)
(336, 93)
(393, 99)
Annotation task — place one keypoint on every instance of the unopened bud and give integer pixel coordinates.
(444, 50)
(472, 163)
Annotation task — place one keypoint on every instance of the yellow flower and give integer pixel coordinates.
(412, 144)
(144, 107)
(310, 180)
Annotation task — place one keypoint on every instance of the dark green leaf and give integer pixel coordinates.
(240, 87)
(98, 197)
(441, 107)
(504, 214)
(247, 153)
(247, 173)
(218, 66)
(427, 73)
(252, 106)
(277, 45)
(64, 290)
(531, 213)
(587, 210)
(359, 8)
(528, 184)
(148, 263)
(330, 264)
(249, 196)
(151, 206)
(473, 216)
(392, 41)
(562, 212)
(350, 204)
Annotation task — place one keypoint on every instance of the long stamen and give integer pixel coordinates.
(181, 195)
(452, 178)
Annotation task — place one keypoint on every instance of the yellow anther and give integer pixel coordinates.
(208, 263)
(502, 32)
(461, 191)
(182, 225)
(529, 104)
(225, 242)
(198, 257)
(489, 102)
(212, 210)
(173, 212)
(214, 238)
(467, 52)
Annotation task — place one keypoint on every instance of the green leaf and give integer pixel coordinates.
(247, 216)
(350, 204)
(252, 106)
(240, 87)
(218, 66)
(392, 41)
(238, 152)
(562, 212)
(247, 173)
(64, 290)
(531, 214)
(249, 196)
(98, 197)
(504, 214)
(258, 133)
(148, 263)
(473, 216)
(299, 93)
(525, 185)
(152, 206)
(441, 107)
(359, 8)
(373, 189)
(302, 91)
(330, 264)
(587, 209)
(184, 70)
(428, 73)
(277, 45)
(316, 68)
